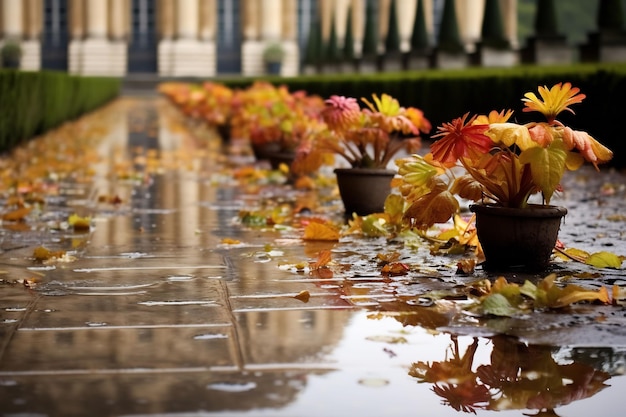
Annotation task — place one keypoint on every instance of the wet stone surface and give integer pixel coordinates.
(169, 305)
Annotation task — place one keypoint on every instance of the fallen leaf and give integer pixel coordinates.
(43, 254)
(605, 260)
(17, 214)
(303, 296)
(466, 266)
(230, 241)
(79, 223)
(320, 231)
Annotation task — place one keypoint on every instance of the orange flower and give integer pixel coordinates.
(494, 117)
(460, 139)
(553, 101)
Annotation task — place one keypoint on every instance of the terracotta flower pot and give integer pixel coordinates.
(364, 190)
(518, 237)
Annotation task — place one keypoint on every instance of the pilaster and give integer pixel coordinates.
(192, 51)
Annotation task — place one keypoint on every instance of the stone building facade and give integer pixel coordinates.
(203, 38)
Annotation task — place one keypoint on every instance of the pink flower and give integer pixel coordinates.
(341, 113)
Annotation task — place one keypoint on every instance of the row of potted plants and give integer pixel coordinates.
(485, 159)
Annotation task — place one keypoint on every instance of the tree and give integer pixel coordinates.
(546, 21)
(348, 43)
(610, 15)
(332, 55)
(392, 40)
(370, 39)
(449, 39)
(492, 32)
(313, 51)
(419, 36)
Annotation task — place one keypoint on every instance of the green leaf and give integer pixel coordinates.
(605, 260)
(498, 305)
(547, 166)
(529, 289)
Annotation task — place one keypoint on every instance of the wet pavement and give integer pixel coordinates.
(168, 305)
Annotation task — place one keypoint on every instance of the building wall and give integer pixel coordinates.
(175, 38)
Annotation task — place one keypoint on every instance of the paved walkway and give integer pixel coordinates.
(168, 306)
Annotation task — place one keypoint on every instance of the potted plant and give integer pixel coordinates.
(275, 120)
(500, 165)
(273, 56)
(11, 54)
(367, 139)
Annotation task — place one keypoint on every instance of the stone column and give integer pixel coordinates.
(207, 24)
(509, 14)
(190, 53)
(358, 24)
(187, 19)
(34, 19)
(289, 20)
(76, 14)
(251, 19)
(12, 18)
(405, 13)
(271, 13)
(97, 19)
(118, 19)
(166, 14)
(470, 17)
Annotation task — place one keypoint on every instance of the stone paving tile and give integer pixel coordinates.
(93, 350)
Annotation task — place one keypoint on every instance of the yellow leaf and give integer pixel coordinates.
(434, 207)
(605, 260)
(43, 254)
(320, 231)
(230, 241)
(511, 134)
(78, 222)
(547, 166)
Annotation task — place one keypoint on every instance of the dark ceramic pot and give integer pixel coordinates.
(262, 152)
(364, 190)
(518, 238)
(277, 158)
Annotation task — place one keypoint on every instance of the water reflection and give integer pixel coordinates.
(518, 376)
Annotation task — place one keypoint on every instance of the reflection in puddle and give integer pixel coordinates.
(518, 376)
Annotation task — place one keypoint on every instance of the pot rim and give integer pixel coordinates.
(532, 210)
(365, 171)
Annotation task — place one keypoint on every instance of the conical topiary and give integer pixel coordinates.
(313, 52)
(392, 40)
(419, 36)
(610, 16)
(332, 55)
(370, 38)
(449, 39)
(348, 43)
(492, 32)
(546, 21)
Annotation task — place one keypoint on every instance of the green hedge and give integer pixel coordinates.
(446, 94)
(34, 102)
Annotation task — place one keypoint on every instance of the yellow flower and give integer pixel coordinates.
(553, 101)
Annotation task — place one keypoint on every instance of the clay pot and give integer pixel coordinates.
(518, 237)
(364, 190)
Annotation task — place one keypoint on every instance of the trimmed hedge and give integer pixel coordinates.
(35, 102)
(446, 94)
